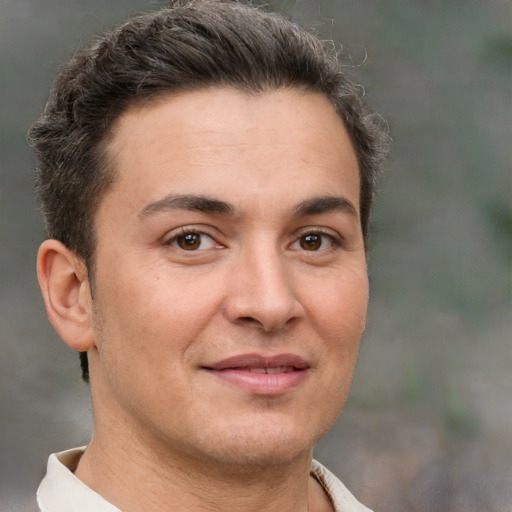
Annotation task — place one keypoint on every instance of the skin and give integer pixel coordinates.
(272, 267)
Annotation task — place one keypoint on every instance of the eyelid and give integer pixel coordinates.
(174, 234)
(336, 239)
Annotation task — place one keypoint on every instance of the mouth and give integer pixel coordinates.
(269, 370)
(260, 375)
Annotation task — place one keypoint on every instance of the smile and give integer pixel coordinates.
(259, 375)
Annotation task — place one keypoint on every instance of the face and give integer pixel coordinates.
(230, 286)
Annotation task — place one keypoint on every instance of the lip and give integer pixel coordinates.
(261, 375)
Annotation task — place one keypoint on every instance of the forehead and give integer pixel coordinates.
(227, 142)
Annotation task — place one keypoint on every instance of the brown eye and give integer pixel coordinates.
(315, 241)
(311, 242)
(189, 242)
(193, 241)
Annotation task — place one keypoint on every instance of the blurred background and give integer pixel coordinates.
(428, 424)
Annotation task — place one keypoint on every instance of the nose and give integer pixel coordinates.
(261, 291)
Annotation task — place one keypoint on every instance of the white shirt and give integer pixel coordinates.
(62, 491)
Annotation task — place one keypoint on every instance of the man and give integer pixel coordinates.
(206, 174)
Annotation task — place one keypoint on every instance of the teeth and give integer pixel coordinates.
(278, 369)
(257, 370)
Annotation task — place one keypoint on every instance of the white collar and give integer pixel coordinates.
(62, 491)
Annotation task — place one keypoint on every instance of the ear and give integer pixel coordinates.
(66, 291)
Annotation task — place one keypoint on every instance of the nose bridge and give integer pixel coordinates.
(262, 288)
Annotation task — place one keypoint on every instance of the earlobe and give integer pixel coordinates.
(65, 287)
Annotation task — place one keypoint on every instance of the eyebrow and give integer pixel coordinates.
(325, 204)
(196, 203)
(200, 203)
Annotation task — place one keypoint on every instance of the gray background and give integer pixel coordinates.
(427, 426)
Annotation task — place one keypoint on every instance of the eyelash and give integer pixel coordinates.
(334, 241)
(190, 230)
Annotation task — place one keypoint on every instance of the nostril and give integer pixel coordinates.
(266, 325)
(248, 320)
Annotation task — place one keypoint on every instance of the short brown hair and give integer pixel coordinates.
(189, 45)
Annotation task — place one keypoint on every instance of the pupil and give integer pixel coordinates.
(311, 242)
(190, 241)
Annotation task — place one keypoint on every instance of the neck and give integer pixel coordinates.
(134, 478)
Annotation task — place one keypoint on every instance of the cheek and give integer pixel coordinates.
(341, 307)
(340, 322)
(157, 310)
(339, 319)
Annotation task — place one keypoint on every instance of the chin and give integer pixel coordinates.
(273, 444)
